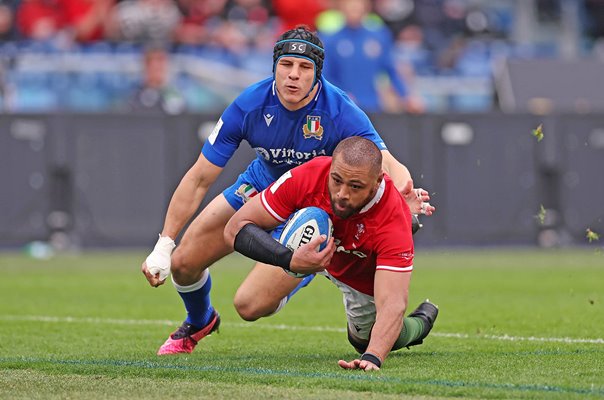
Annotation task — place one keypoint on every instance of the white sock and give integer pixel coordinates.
(282, 304)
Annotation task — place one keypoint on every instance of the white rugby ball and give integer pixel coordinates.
(305, 225)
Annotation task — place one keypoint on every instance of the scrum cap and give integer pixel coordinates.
(300, 42)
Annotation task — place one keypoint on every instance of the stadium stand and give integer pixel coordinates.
(50, 62)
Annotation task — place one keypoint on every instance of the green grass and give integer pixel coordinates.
(514, 324)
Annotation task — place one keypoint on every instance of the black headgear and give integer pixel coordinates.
(300, 42)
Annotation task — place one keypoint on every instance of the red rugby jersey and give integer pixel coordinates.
(379, 237)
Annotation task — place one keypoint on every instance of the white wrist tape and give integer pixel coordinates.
(159, 259)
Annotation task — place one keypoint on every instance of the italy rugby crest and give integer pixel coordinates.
(313, 128)
(246, 192)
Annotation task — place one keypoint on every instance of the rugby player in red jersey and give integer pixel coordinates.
(369, 258)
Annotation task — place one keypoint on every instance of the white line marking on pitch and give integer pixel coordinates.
(89, 320)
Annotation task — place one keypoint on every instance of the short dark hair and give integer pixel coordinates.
(358, 152)
(289, 43)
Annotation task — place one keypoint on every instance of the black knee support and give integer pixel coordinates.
(360, 345)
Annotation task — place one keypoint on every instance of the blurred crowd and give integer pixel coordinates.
(63, 23)
(192, 42)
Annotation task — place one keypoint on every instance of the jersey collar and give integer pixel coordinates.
(376, 198)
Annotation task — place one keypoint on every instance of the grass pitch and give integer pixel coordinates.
(518, 324)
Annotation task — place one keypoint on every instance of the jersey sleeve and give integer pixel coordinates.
(283, 197)
(395, 251)
(355, 122)
(226, 136)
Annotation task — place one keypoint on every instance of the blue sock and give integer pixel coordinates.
(302, 284)
(197, 300)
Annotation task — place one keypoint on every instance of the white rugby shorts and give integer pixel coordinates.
(360, 308)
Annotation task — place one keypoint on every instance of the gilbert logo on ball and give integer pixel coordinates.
(304, 226)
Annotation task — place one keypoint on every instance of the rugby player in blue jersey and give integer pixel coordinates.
(288, 119)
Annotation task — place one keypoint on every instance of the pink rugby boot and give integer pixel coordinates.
(186, 337)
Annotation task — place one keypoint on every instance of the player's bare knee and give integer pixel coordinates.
(184, 270)
(251, 308)
(179, 265)
(246, 310)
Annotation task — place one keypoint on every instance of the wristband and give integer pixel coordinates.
(372, 358)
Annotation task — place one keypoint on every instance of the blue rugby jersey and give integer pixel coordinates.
(284, 139)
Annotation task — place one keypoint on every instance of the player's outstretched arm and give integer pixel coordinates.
(391, 292)
(184, 203)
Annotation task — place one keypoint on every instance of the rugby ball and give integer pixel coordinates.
(305, 225)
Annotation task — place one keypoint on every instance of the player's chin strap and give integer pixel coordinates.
(310, 91)
(257, 244)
